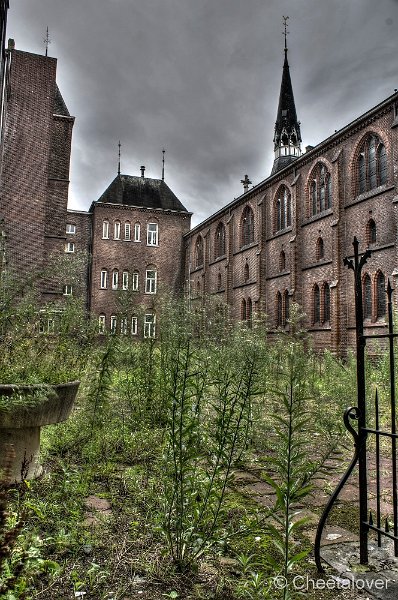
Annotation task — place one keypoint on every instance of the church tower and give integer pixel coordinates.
(287, 137)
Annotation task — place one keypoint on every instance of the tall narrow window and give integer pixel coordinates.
(371, 231)
(105, 230)
(247, 226)
(314, 197)
(137, 232)
(219, 241)
(116, 231)
(326, 303)
(67, 290)
(104, 279)
(317, 304)
(149, 326)
(134, 325)
(113, 324)
(123, 325)
(115, 279)
(382, 164)
(125, 280)
(199, 251)
(101, 324)
(150, 281)
(372, 166)
(362, 173)
(246, 274)
(127, 231)
(381, 295)
(249, 309)
(152, 234)
(135, 281)
(282, 261)
(279, 310)
(367, 296)
(320, 249)
(219, 281)
(243, 313)
(286, 307)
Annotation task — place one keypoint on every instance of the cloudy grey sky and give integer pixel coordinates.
(202, 78)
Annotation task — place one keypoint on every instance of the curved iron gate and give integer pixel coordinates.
(360, 434)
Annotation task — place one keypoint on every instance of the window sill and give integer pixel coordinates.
(370, 194)
(244, 248)
(279, 233)
(317, 217)
(218, 259)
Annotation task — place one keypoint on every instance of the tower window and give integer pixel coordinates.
(371, 232)
(125, 280)
(137, 232)
(135, 281)
(320, 249)
(116, 235)
(150, 281)
(115, 279)
(282, 261)
(104, 279)
(105, 230)
(127, 232)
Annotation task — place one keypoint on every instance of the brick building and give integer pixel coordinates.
(284, 240)
(281, 241)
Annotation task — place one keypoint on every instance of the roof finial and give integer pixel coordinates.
(163, 152)
(47, 41)
(246, 182)
(118, 164)
(285, 33)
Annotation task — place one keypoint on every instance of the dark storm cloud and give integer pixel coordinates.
(202, 77)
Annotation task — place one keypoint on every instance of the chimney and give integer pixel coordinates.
(142, 172)
(11, 44)
(308, 148)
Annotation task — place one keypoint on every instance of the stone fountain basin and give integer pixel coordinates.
(20, 424)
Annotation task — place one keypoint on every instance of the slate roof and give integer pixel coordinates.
(59, 104)
(143, 192)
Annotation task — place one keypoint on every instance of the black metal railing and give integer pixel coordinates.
(361, 435)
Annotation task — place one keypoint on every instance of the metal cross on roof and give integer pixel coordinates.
(246, 182)
(285, 33)
(47, 41)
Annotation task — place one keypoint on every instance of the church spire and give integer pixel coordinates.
(287, 137)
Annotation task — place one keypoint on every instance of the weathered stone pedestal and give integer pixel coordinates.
(20, 423)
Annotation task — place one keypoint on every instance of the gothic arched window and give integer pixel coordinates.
(247, 226)
(246, 272)
(219, 241)
(371, 164)
(320, 189)
(367, 296)
(282, 209)
(199, 251)
(380, 295)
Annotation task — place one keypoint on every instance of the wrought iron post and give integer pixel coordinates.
(356, 266)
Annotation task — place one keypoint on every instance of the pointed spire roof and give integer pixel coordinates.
(287, 137)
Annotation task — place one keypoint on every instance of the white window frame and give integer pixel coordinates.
(127, 232)
(113, 322)
(137, 232)
(125, 280)
(105, 229)
(152, 234)
(151, 281)
(149, 325)
(116, 230)
(101, 324)
(70, 247)
(123, 325)
(70, 229)
(134, 326)
(115, 279)
(68, 291)
(104, 279)
(135, 281)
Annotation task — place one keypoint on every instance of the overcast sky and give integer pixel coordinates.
(201, 78)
